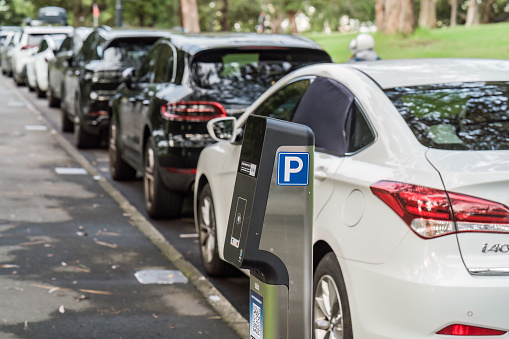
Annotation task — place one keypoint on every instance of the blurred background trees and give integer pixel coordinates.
(288, 16)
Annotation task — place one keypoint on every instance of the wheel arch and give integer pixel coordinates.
(199, 184)
(320, 249)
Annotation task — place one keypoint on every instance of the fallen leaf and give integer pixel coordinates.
(96, 292)
(26, 325)
(30, 243)
(61, 309)
(9, 266)
(86, 270)
(53, 289)
(155, 316)
(102, 243)
(82, 297)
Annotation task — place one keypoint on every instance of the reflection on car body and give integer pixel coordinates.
(159, 115)
(410, 164)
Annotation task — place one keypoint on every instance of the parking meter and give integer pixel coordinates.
(270, 226)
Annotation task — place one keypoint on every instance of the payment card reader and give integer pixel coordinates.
(270, 226)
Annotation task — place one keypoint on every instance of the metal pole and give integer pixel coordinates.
(119, 10)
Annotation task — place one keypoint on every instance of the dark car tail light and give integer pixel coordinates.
(469, 330)
(193, 110)
(29, 46)
(432, 213)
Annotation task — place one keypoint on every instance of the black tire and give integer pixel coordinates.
(119, 169)
(331, 316)
(82, 138)
(160, 201)
(67, 124)
(207, 233)
(52, 100)
(40, 93)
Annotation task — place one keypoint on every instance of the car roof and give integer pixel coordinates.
(194, 43)
(414, 72)
(47, 29)
(110, 34)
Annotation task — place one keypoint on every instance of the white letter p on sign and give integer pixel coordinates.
(288, 168)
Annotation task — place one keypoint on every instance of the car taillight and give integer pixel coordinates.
(28, 46)
(432, 213)
(469, 330)
(193, 110)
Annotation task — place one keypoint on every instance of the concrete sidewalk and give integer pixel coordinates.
(70, 246)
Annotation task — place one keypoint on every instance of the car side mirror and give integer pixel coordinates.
(222, 129)
(128, 76)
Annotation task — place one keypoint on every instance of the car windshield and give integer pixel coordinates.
(456, 116)
(248, 73)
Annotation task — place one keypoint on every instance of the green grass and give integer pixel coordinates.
(483, 41)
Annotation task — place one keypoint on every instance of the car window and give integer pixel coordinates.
(281, 105)
(147, 69)
(361, 133)
(164, 65)
(66, 44)
(43, 46)
(456, 116)
(244, 74)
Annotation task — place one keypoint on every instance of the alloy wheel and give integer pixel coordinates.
(207, 229)
(328, 315)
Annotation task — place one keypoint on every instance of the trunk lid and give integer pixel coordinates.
(484, 175)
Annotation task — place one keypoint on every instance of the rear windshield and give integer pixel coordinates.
(131, 49)
(36, 39)
(252, 71)
(459, 116)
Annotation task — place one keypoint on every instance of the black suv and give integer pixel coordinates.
(159, 114)
(94, 76)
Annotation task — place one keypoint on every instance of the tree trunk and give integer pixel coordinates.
(487, 14)
(276, 23)
(472, 13)
(454, 12)
(293, 24)
(395, 16)
(189, 15)
(224, 22)
(428, 14)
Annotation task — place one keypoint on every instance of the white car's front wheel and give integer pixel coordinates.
(213, 265)
(331, 313)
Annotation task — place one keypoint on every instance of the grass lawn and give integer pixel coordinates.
(483, 41)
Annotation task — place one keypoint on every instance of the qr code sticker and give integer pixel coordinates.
(255, 321)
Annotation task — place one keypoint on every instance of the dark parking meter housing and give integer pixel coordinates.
(270, 223)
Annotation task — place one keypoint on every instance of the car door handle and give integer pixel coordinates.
(320, 174)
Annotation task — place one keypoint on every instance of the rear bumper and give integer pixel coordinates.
(423, 288)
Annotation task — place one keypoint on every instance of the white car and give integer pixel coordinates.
(411, 188)
(28, 46)
(37, 65)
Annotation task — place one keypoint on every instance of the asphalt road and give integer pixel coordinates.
(180, 233)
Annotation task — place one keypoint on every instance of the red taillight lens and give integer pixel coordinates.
(431, 213)
(29, 46)
(469, 330)
(193, 110)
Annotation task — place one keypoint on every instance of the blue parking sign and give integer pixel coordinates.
(293, 168)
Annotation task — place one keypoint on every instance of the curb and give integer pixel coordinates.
(220, 304)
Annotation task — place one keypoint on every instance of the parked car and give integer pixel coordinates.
(63, 63)
(28, 46)
(37, 65)
(94, 76)
(411, 216)
(11, 40)
(4, 33)
(159, 115)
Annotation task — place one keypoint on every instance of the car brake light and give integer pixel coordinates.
(29, 46)
(468, 330)
(193, 110)
(432, 213)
